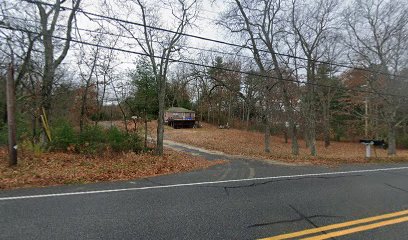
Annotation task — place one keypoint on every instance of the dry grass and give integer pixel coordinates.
(239, 142)
(69, 168)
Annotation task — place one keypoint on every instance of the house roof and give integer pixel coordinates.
(179, 110)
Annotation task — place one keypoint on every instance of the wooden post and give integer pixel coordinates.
(11, 118)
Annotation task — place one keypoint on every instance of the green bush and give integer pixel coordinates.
(92, 141)
(116, 139)
(92, 134)
(120, 141)
(134, 142)
(63, 136)
(95, 140)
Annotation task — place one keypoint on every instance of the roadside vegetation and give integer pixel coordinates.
(297, 81)
(250, 144)
(57, 168)
(98, 153)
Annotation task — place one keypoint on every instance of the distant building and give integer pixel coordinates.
(179, 117)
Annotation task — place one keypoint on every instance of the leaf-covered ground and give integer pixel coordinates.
(251, 144)
(69, 168)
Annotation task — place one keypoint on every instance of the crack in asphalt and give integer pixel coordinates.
(308, 219)
(293, 220)
(304, 217)
(394, 187)
(151, 181)
(226, 191)
(277, 180)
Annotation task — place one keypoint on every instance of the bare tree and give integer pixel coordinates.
(260, 24)
(20, 43)
(96, 69)
(11, 117)
(311, 23)
(377, 36)
(49, 18)
(87, 67)
(24, 45)
(161, 46)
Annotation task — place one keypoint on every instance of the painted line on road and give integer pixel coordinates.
(202, 183)
(358, 229)
(337, 226)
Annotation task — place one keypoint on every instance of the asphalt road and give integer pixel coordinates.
(267, 199)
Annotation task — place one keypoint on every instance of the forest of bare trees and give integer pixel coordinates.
(321, 70)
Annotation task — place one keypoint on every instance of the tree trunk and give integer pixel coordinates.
(124, 117)
(34, 120)
(229, 112)
(248, 116)
(11, 118)
(4, 106)
(291, 117)
(311, 114)
(312, 140)
(46, 88)
(160, 120)
(83, 106)
(326, 125)
(243, 112)
(48, 71)
(293, 133)
(326, 133)
(267, 138)
(306, 135)
(392, 146)
(219, 115)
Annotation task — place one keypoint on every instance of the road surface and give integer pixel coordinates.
(243, 199)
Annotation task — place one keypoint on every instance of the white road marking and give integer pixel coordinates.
(201, 183)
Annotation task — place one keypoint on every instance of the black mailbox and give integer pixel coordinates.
(377, 143)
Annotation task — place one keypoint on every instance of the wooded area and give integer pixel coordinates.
(301, 70)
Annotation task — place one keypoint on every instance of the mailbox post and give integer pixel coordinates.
(370, 142)
(368, 148)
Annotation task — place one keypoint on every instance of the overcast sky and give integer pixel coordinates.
(204, 26)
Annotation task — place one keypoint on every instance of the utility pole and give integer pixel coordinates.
(11, 118)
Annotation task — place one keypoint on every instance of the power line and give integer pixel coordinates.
(343, 65)
(208, 66)
(129, 37)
